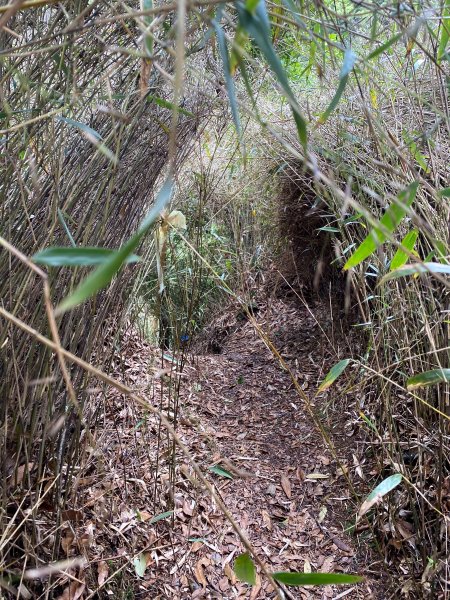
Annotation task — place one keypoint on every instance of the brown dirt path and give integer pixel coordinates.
(238, 411)
(288, 494)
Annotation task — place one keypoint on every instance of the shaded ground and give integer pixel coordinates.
(241, 417)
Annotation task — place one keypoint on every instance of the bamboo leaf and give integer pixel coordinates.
(445, 31)
(66, 227)
(384, 46)
(383, 488)
(295, 578)
(426, 378)
(170, 105)
(390, 220)
(161, 516)
(408, 242)
(229, 83)
(106, 271)
(245, 569)
(81, 126)
(257, 26)
(148, 40)
(140, 564)
(76, 257)
(222, 472)
(333, 374)
(408, 269)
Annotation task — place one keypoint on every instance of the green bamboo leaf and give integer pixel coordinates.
(106, 271)
(148, 40)
(293, 578)
(76, 257)
(251, 5)
(245, 569)
(408, 269)
(333, 374)
(347, 66)
(400, 257)
(222, 472)
(384, 46)
(257, 26)
(93, 136)
(428, 378)
(82, 126)
(445, 31)
(66, 227)
(445, 192)
(161, 516)
(390, 220)
(383, 488)
(229, 83)
(166, 104)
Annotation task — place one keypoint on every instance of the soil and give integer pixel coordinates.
(244, 423)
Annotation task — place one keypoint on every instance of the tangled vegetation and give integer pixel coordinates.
(159, 161)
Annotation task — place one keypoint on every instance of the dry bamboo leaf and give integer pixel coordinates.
(196, 546)
(73, 591)
(103, 572)
(315, 476)
(26, 468)
(256, 588)
(67, 541)
(200, 574)
(266, 519)
(229, 573)
(327, 565)
(286, 485)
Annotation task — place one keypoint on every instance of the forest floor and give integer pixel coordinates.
(246, 426)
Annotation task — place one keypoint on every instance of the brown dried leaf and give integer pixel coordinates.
(286, 485)
(87, 539)
(67, 541)
(266, 519)
(200, 574)
(73, 591)
(26, 468)
(256, 588)
(229, 573)
(103, 571)
(327, 565)
(196, 546)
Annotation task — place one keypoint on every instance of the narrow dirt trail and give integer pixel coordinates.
(246, 427)
(287, 492)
